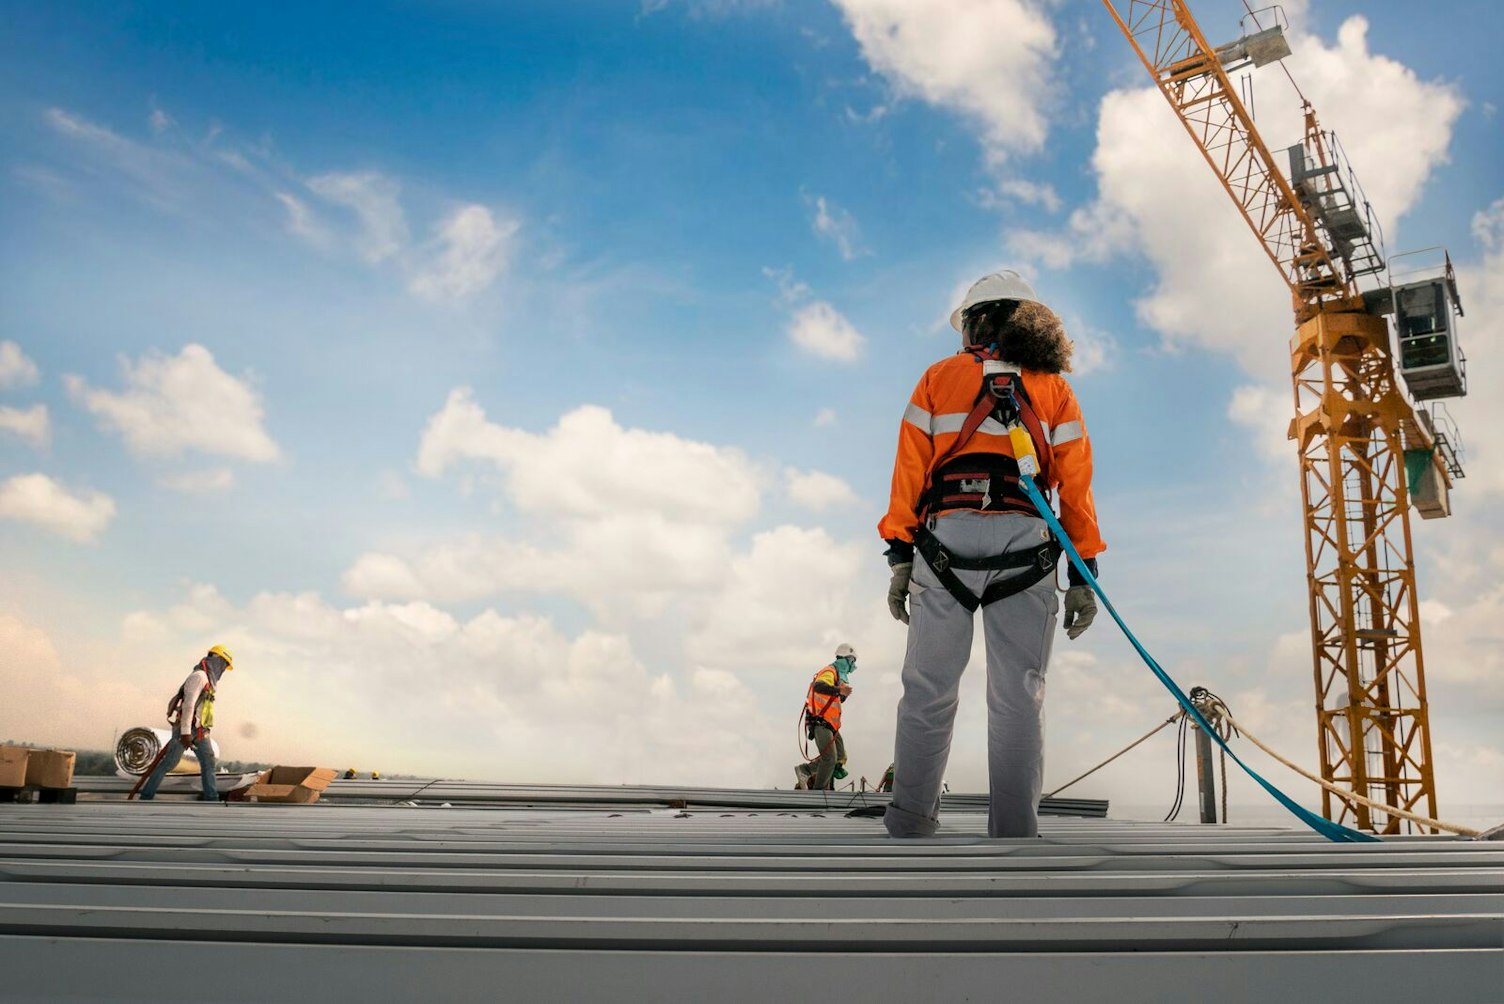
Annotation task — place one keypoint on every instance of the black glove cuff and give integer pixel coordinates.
(899, 552)
(1074, 576)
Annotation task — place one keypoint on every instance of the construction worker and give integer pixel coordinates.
(191, 712)
(822, 721)
(975, 420)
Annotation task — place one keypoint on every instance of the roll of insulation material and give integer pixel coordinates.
(137, 748)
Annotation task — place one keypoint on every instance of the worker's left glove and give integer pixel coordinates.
(1080, 610)
(898, 591)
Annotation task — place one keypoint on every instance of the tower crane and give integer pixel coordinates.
(1368, 455)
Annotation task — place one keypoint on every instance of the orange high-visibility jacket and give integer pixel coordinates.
(939, 405)
(826, 706)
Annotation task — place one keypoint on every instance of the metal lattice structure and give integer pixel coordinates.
(1352, 424)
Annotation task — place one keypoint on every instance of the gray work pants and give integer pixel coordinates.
(830, 749)
(1018, 632)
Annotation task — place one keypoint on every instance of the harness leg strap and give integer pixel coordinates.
(1039, 560)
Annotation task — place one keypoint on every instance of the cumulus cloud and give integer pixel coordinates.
(373, 198)
(488, 691)
(817, 490)
(70, 702)
(814, 325)
(207, 482)
(822, 330)
(589, 466)
(470, 249)
(988, 60)
(31, 425)
(42, 502)
(173, 404)
(16, 370)
(625, 520)
(1481, 413)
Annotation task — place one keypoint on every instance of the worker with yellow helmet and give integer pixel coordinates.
(191, 712)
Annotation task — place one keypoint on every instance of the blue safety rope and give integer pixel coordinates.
(1325, 827)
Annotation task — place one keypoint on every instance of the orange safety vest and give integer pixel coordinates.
(938, 409)
(826, 707)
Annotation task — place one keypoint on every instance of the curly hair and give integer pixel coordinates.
(1025, 332)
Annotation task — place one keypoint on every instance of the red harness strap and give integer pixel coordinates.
(987, 401)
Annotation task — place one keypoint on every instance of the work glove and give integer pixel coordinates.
(187, 741)
(1080, 610)
(839, 773)
(898, 591)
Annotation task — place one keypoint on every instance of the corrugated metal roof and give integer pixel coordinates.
(107, 900)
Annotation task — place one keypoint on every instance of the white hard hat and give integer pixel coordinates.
(844, 651)
(1005, 284)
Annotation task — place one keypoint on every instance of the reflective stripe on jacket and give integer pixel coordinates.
(825, 706)
(939, 405)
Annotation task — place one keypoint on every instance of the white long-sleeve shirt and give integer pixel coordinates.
(193, 689)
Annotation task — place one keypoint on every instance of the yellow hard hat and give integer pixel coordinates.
(224, 654)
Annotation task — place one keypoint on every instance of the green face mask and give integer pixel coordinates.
(845, 666)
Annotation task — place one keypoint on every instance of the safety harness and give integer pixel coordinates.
(203, 712)
(967, 483)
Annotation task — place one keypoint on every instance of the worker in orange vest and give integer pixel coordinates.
(822, 721)
(975, 423)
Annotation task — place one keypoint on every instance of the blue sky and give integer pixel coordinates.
(441, 355)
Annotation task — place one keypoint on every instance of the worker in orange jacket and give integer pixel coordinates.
(975, 420)
(822, 721)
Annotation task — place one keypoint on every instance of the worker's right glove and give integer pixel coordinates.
(186, 740)
(1080, 610)
(898, 591)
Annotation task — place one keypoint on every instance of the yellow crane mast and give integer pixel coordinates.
(1354, 427)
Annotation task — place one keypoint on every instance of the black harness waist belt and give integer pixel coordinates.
(1039, 562)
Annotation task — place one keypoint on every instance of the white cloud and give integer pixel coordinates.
(16, 370)
(1265, 412)
(795, 590)
(1481, 414)
(301, 221)
(469, 251)
(814, 325)
(68, 702)
(1011, 190)
(172, 404)
(32, 424)
(372, 197)
(990, 60)
(42, 502)
(838, 226)
(817, 490)
(588, 466)
(625, 520)
(822, 330)
(824, 417)
(487, 691)
(206, 482)
(160, 121)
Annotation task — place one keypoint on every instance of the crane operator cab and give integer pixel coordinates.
(1425, 316)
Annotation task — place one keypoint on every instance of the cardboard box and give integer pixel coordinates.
(50, 768)
(290, 784)
(13, 766)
